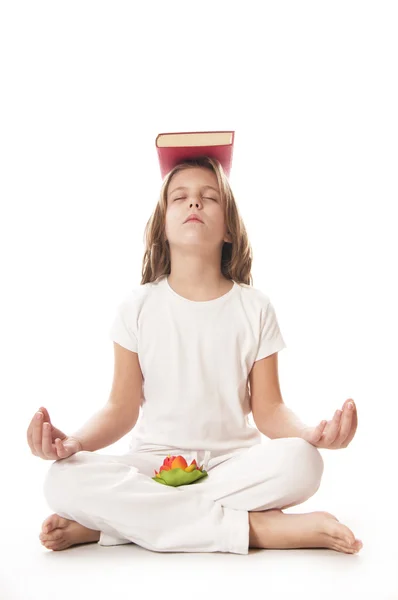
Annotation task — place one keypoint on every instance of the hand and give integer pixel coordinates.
(336, 433)
(47, 441)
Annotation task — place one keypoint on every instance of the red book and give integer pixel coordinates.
(173, 148)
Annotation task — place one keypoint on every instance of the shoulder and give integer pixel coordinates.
(254, 295)
(135, 298)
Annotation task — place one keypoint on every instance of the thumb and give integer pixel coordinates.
(317, 431)
(65, 449)
(313, 434)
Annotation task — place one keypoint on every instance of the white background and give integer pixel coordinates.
(310, 89)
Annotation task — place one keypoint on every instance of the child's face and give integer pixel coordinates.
(199, 199)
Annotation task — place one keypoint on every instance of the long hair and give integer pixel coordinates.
(236, 257)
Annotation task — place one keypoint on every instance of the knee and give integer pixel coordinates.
(60, 480)
(299, 464)
(306, 466)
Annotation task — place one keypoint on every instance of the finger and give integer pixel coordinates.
(346, 423)
(332, 429)
(354, 425)
(326, 429)
(345, 405)
(37, 434)
(319, 430)
(46, 415)
(47, 446)
(46, 418)
(313, 434)
(29, 433)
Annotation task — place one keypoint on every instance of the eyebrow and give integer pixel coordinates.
(183, 187)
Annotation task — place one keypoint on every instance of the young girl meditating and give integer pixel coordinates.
(196, 349)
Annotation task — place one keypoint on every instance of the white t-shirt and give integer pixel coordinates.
(195, 359)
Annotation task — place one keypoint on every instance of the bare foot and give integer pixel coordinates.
(58, 533)
(275, 529)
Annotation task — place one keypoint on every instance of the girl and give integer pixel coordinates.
(196, 349)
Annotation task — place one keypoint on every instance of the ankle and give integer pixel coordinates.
(256, 524)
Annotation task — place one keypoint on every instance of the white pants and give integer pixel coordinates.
(116, 495)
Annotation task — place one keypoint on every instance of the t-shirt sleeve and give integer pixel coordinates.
(124, 329)
(271, 339)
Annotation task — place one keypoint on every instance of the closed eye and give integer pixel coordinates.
(214, 199)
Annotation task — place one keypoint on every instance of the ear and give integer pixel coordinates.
(228, 237)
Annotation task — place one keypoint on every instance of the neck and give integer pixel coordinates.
(197, 271)
(199, 285)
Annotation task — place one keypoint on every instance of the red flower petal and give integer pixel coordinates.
(179, 463)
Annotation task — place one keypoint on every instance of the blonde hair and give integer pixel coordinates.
(236, 257)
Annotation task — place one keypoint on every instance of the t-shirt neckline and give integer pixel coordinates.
(200, 302)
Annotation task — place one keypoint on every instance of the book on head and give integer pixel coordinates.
(174, 148)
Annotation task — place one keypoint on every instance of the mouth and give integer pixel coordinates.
(193, 221)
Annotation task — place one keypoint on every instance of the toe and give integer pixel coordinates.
(358, 544)
(343, 534)
(55, 534)
(341, 546)
(53, 544)
(345, 549)
(53, 522)
(348, 539)
(48, 524)
(351, 548)
(58, 546)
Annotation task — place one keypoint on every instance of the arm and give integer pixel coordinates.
(281, 422)
(104, 428)
(270, 414)
(121, 412)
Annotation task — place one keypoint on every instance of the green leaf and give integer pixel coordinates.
(176, 477)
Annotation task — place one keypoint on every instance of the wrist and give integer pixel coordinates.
(80, 443)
